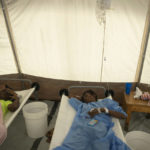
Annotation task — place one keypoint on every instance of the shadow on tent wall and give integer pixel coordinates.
(49, 88)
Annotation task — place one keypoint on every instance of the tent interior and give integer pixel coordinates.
(62, 43)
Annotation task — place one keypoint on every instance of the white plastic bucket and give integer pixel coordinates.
(138, 140)
(35, 115)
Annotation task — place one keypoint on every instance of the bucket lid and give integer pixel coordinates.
(35, 110)
(138, 140)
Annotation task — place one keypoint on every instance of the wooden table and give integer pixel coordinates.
(134, 105)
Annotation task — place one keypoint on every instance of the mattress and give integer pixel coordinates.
(64, 121)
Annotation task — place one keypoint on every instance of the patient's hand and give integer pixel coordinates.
(14, 106)
(93, 112)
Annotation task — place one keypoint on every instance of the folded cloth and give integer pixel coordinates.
(3, 130)
(138, 93)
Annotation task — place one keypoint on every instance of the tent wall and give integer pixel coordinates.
(49, 88)
(16, 85)
(124, 30)
(57, 39)
(7, 63)
(60, 43)
(63, 39)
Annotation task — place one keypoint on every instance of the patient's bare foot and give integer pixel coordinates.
(49, 135)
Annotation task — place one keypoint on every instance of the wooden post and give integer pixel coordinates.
(12, 41)
(143, 47)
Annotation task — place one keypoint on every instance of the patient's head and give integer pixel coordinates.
(89, 96)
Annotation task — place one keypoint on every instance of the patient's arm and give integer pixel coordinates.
(14, 106)
(116, 114)
(13, 96)
(74, 103)
(110, 112)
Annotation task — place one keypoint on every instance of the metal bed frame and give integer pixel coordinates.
(32, 84)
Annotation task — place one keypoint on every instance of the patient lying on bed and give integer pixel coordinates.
(8, 99)
(92, 125)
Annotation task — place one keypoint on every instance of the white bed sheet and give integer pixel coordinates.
(64, 120)
(24, 96)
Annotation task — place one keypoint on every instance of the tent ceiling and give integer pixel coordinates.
(64, 40)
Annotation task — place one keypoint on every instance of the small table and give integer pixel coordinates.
(134, 105)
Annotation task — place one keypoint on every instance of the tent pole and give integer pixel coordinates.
(10, 35)
(143, 47)
(11, 39)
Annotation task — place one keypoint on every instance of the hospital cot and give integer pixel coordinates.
(65, 118)
(23, 97)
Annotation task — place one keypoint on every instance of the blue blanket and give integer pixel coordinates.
(85, 136)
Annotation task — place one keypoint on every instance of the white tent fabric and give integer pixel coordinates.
(7, 63)
(62, 39)
(124, 30)
(145, 77)
(57, 38)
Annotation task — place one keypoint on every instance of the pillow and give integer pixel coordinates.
(109, 97)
